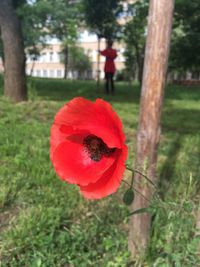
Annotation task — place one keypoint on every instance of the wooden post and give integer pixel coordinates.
(98, 63)
(148, 135)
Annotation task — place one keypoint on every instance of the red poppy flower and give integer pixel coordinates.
(87, 147)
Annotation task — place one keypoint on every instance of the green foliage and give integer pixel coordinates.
(122, 75)
(18, 3)
(185, 50)
(42, 19)
(45, 222)
(34, 17)
(78, 60)
(101, 16)
(134, 37)
(173, 240)
(63, 20)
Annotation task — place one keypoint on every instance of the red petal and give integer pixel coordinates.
(59, 134)
(56, 137)
(97, 118)
(110, 180)
(106, 108)
(73, 164)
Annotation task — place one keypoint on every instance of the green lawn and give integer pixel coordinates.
(46, 223)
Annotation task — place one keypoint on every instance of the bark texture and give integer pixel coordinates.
(148, 135)
(14, 57)
(66, 57)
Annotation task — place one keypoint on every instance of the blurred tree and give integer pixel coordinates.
(14, 57)
(63, 22)
(134, 37)
(185, 48)
(47, 19)
(1, 49)
(101, 18)
(78, 61)
(34, 15)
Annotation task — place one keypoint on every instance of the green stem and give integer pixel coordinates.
(133, 170)
(126, 183)
(132, 187)
(146, 178)
(149, 180)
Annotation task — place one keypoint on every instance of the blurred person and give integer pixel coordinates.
(110, 54)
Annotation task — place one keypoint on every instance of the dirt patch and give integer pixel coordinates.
(7, 217)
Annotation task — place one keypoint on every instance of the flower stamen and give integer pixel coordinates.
(96, 148)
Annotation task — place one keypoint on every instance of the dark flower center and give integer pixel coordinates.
(96, 148)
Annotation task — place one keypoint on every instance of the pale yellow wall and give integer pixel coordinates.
(49, 65)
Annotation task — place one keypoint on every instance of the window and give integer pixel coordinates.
(51, 73)
(51, 56)
(59, 73)
(44, 73)
(44, 57)
(57, 57)
(38, 73)
(61, 57)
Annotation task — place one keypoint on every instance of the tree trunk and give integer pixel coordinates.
(65, 51)
(140, 61)
(32, 68)
(141, 66)
(98, 63)
(154, 75)
(15, 78)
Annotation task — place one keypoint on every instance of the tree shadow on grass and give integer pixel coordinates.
(62, 90)
(177, 124)
(59, 90)
(181, 121)
(180, 92)
(168, 169)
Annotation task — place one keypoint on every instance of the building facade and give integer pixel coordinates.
(49, 63)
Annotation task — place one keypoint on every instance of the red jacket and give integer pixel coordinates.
(110, 55)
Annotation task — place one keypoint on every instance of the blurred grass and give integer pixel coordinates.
(45, 222)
